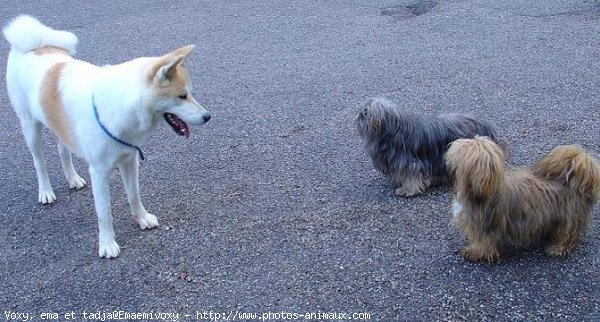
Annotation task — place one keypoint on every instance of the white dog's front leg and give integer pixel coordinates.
(129, 173)
(107, 246)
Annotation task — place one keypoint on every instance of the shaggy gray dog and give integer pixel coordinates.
(410, 148)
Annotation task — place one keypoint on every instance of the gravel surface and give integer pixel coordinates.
(273, 206)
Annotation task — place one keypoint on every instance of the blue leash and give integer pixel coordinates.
(111, 135)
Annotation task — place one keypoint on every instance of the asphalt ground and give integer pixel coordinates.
(273, 206)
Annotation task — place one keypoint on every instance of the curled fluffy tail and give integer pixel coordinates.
(574, 167)
(25, 33)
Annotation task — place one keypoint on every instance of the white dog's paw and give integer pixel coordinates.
(76, 182)
(109, 249)
(46, 197)
(147, 221)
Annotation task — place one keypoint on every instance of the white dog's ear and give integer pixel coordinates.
(166, 72)
(183, 51)
(166, 66)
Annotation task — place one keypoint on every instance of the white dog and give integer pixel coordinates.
(99, 113)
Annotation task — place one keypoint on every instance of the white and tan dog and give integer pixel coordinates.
(99, 113)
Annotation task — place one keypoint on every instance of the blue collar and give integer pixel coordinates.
(111, 135)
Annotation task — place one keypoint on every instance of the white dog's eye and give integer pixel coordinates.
(183, 97)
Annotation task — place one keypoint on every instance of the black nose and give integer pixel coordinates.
(206, 118)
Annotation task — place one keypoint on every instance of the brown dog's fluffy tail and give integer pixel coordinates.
(572, 166)
(477, 166)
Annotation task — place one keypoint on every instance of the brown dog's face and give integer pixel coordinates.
(477, 166)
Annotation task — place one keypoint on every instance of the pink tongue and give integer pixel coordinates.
(185, 129)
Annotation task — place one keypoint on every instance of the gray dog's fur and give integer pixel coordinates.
(410, 148)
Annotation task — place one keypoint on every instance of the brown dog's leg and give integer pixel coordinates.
(481, 250)
(562, 241)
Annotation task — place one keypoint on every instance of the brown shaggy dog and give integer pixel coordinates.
(550, 202)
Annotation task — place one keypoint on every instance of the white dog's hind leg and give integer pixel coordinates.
(107, 246)
(75, 181)
(32, 130)
(129, 173)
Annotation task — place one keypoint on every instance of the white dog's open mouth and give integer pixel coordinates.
(178, 125)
